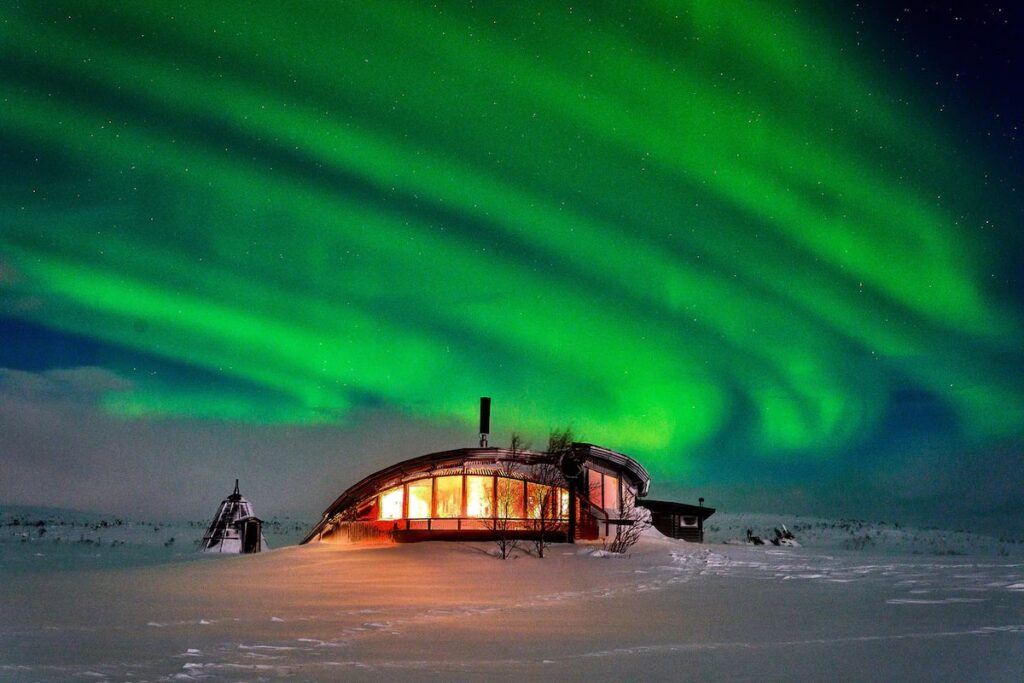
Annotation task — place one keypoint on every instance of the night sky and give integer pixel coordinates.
(772, 250)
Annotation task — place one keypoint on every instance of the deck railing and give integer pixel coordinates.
(382, 531)
(476, 523)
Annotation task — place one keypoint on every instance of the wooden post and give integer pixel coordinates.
(494, 496)
(526, 502)
(465, 496)
(572, 511)
(700, 519)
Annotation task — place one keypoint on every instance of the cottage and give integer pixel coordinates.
(583, 492)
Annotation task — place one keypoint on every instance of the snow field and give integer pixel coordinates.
(133, 608)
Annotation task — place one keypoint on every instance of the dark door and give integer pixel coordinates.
(251, 531)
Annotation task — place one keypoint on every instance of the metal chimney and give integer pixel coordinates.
(485, 420)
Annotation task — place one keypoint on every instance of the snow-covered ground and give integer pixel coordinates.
(446, 611)
(33, 539)
(853, 534)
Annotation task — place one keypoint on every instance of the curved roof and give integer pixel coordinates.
(436, 463)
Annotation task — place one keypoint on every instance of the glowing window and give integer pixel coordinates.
(563, 505)
(391, 503)
(419, 499)
(539, 501)
(448, 496)
(611, 493)
(594, 487)
(479, 496)
(510, 498)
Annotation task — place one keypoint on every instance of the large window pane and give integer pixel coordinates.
(510, 498)
(539, 501)
(391, 503)
(448, 494)
(563, 504)
(594, 487)
(479, 496)
(419, 498)
(611, 494)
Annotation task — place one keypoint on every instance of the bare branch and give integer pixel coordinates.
(634, 521)
(546, 511)
(503, 523)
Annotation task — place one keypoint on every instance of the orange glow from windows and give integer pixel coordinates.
(479, 496)
(538, 501)
(594, 487)
(419, 498)
(611, 494)
(391, 503)
(442, 497)
(553, 500)
(510, 498)
(448, 496)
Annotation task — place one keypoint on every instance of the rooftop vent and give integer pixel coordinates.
(485, 420)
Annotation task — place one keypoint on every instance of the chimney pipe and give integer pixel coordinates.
(485, 420)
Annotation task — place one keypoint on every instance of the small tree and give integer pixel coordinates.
(633, 522)
(560, 444)
(569, 463)
(502, 523)
(550, 476)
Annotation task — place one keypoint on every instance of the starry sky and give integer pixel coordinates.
(772, 250)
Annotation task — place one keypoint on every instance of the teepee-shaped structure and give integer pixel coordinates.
(234, 529)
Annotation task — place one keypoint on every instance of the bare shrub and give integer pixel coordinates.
(633, 522)
(544, 525)
(502, 523)
(550, 474)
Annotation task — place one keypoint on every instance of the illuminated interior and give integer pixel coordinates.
(448, 496)
(595, 489)
(539, 501)
(474, 496)
(611, 493)
(510, 498)
(479, 496)
(391, 503)
(420, 493)
(603, 491)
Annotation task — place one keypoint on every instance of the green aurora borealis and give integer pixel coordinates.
(675, 227)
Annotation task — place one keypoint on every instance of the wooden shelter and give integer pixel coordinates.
(678, 520)
(476, 493)
(583, 491)
(235, 528)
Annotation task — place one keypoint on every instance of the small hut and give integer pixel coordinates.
(234, 529)
(678, 520)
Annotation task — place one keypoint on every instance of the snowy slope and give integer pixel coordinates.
(437, 611)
